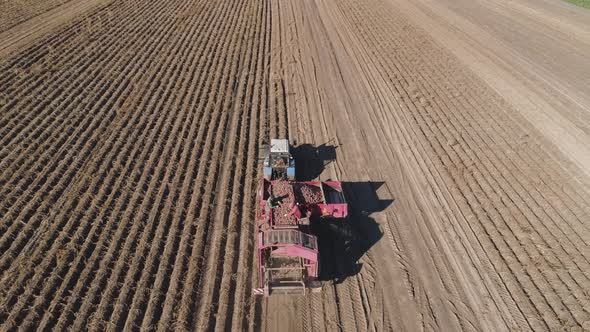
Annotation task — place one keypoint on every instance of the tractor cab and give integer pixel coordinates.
(278, 163)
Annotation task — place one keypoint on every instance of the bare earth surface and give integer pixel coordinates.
(14, 12)
(129, 133)
(22, 35)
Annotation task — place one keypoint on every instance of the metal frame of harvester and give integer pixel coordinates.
(287, 248)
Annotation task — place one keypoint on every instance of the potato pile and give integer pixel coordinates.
(308, 194)
(281, 213)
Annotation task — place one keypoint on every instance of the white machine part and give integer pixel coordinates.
(279, 145)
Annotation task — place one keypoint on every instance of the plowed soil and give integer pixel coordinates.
(16, 11)
(129, 139)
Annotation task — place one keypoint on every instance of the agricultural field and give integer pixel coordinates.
(17, 11)
(129, 141)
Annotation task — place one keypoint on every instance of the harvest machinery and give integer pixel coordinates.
(288, 252)
(278, 163)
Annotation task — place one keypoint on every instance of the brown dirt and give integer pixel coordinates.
(488, 226)
(44, 17)
(16, 11)
(129, 133)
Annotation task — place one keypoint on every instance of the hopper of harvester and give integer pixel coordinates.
(288, 253)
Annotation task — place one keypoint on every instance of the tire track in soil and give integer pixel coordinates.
(432, 168)
(402, 48)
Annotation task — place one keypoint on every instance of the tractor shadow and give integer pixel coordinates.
(343, 242)
(311, 160)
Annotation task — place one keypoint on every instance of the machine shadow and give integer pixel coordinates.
(312, 160)
(343, 242)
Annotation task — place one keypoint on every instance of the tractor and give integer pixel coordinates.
(287, 248)
(277, 161)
